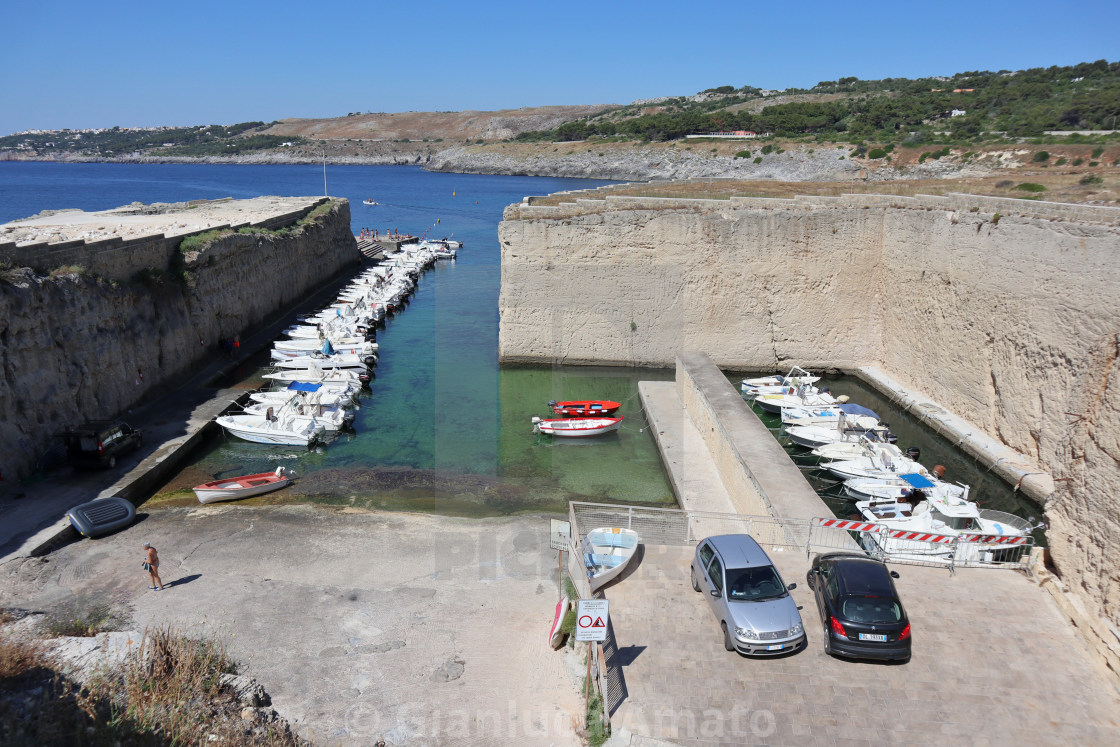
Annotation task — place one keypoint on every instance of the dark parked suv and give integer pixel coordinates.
(859, 607)
(100, 443)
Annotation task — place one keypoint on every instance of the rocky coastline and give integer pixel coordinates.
(614, 161)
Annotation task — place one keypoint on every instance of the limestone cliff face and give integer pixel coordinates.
(74, 346)
(1007, 312)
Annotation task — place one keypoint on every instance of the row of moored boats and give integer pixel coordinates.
(324, 360)
(890, 487)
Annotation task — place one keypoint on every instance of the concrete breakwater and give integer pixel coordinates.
(80, 344)
(1001, 312)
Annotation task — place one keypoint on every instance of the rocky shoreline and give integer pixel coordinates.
(614, 161)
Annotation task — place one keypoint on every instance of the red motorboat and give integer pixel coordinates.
(584, 408)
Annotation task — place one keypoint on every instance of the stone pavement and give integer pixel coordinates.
(419, 630)
(994, 662)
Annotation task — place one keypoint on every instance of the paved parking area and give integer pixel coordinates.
(993, 663)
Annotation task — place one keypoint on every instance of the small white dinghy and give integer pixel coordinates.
(576, 427)
(606, 553)
(233, 488)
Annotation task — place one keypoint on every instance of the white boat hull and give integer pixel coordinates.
(258, 430)
(217, 495)
(576, 427)
(607, 551)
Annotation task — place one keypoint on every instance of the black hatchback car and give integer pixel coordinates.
(100, 443)
(859, 607)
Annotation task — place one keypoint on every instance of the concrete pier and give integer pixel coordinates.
(719, 455)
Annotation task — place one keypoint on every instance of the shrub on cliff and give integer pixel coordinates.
(199, 241)
(1031, 187)
(1041, 157)
(743, 154)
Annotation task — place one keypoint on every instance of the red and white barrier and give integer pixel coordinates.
(920, 536)
(993, 539)
(851, 526)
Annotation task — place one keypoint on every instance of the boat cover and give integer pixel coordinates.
(858, 410)
(304, 386)
(917, 480)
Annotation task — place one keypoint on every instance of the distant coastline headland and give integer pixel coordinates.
(1042, 121)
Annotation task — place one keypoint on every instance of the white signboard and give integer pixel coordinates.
(559, 533)
(591, 619)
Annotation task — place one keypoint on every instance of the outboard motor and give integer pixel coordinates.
(913, 452)
(552, 403)
(370, 361)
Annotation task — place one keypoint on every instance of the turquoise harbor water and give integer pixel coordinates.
(443, 427)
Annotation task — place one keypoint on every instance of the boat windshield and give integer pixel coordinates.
(754, 584)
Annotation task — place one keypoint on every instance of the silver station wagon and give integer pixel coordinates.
(747, 595)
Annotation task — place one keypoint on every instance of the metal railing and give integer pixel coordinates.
(669, 526)
(971, 550)
(672, 526)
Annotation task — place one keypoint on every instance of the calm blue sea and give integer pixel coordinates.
(442, 427)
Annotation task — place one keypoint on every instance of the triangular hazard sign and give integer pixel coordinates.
(599, 623)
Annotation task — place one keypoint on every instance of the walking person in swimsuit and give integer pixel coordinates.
(151, 562)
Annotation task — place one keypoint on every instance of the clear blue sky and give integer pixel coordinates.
(82, 64)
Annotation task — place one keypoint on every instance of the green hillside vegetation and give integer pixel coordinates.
(1021, 104)
(200, 140)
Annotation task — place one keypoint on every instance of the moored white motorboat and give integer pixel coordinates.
(819, 415)
(331, 419)
(864, 447)
(576, 427)
(316, 375)
(804, 395)
(606, 553)
(893, 489)
(925, 530)
(880, 461)
(815, 436)
(337, 346)
(259, 429)
(752, 388)
(328, 362)
(245, 486)
(319, 394)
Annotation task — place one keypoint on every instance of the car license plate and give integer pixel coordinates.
(873, 637)
(778, 647)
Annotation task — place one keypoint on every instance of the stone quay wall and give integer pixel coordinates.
(120, 259)
(77, 347)
(1004, 312)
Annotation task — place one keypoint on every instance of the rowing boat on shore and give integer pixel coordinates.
(245, 486)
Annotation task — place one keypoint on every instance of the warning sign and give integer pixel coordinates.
(560, 532)
(591, 619)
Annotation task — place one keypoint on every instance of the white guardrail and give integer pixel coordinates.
(666, 526)
(952, 551)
